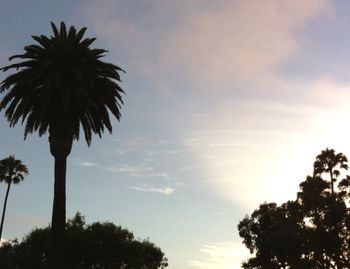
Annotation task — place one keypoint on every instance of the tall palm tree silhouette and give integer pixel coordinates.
(328, 161)
(12, 171)
(60, 85)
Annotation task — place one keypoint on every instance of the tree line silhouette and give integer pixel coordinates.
(94, 246)
(310, 232)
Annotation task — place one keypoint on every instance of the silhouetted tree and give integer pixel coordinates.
(95, 246)
(312, 232)
(328, 162)
(12, 171)
(61, 85)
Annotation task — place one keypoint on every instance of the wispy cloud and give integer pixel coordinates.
(89, 164)
(141, 168)
(163, 176)
(130, 169)
(164, 191)
(156, 152)
(130, 145)
(222, 255)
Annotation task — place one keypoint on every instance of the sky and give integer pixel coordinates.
(227, 104)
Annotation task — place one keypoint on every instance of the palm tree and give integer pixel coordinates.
(62, 84)
(12, 171)
(330, 162)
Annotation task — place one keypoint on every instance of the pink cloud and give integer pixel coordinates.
(241, 39)
(214, 43)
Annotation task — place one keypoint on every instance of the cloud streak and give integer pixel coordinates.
(89, 164)
(164, 191)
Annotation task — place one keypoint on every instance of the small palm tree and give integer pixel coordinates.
(60, 86)
(12, 171)
(330, 162)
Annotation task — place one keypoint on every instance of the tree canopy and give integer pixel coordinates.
(312, 232)
(94, 246)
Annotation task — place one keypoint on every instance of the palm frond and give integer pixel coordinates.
(61, 75)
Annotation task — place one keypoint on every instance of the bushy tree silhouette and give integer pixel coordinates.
(60, 86)
(311, 232)
(94, 246)
(12, 171)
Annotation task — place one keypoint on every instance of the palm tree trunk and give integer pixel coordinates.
(4, 209)
(60, 149)
(59, 213)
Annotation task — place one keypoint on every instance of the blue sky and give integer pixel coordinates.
(227, 104)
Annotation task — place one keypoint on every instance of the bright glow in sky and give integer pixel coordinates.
(227, 105)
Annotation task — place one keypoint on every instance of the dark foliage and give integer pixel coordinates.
(312, 232)
(95, 246)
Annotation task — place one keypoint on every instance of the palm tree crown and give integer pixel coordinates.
(12, 170)
(62, 84)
